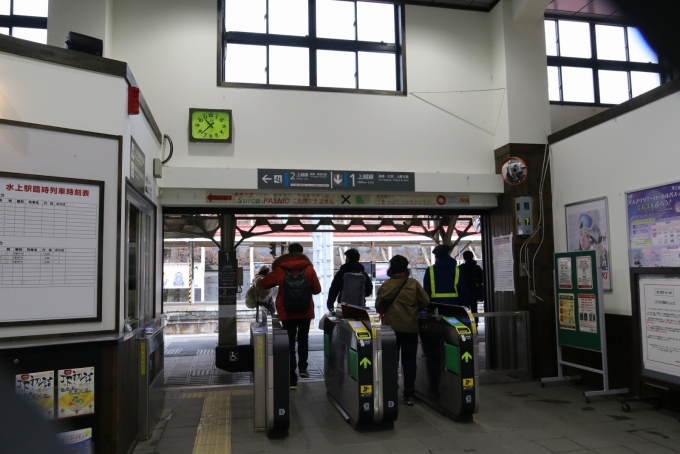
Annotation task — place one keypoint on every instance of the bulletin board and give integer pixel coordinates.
(59, 235)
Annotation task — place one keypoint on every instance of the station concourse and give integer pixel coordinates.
(155, 155)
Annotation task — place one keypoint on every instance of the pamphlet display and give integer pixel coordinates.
(38, 389)
(76, 392)
(580, 314)
(77, 441)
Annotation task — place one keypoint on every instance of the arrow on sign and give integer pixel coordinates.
(337, 179)
(218, 197)
(466, 357)
(365, 362)
(266, 179)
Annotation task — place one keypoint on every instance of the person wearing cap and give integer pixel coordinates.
(296, 324)
(445, 282)
(262, 295)
(351, 265)
(399, 299)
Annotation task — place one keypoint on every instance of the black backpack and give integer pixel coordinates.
(297, 295)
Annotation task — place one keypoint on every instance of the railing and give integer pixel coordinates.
(510, 335)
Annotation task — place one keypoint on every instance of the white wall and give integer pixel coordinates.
(633, 151)
(171, 47)
(87, 17)
(564, 116)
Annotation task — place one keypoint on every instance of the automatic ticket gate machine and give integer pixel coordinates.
(271, 377)
(360, 364)
(448, 374)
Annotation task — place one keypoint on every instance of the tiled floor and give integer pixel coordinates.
(517, 417)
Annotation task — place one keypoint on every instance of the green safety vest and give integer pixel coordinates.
(443, 295)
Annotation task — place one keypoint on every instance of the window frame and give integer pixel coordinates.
(314, 43)
(595, 64)
(15, 20)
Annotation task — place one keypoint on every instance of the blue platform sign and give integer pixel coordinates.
(654, 226)
(335, 180)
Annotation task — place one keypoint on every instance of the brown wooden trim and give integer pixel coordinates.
(651, 96)
(514, 148)
(80, 60)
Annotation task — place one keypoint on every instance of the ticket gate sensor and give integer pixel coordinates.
(360, 365)
(271, 377)
(448, 374)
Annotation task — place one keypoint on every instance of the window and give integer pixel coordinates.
(597, 63)
(330, 45)
(25, 19)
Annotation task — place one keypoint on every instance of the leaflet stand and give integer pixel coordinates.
(579, 315)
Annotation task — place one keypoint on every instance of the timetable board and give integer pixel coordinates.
(50, 243)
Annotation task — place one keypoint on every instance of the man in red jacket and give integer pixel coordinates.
(297, 324)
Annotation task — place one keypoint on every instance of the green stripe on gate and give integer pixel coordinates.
(353, 365)
(452, 358)
(326, 345)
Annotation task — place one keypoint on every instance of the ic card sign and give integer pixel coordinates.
(335, 180)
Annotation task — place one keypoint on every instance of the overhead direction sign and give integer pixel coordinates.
(335, 180)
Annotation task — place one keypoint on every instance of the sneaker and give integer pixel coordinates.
(409, 400)
(293, 386)
(303, 374)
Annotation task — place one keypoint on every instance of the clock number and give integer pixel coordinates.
(222, 120)
(198, 125)
(222, 131)
(205, 134)
(210, 115)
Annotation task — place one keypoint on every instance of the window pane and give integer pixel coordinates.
(334, 19)
(4, 7)
(553, 83)
(611, 43)
(245, 16)
(638, 49)
(377, 71)
(38, 35)
(613, 86)
(288, 17)
(574, 39)
(245, 64)
(550, 38)
(335, 69)
(4, 30)
(288, 65)
(643, 82)
(30, 8)
(375, 22)
(577, 84)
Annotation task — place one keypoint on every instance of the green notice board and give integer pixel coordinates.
(578, 296)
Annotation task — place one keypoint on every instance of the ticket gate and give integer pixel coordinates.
(271, 377)
(448, 374)
(360, 365)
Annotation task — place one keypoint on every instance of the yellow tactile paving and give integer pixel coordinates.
(193, 395)
(214, 430)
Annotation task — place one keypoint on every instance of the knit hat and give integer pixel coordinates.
(398, 264)
(441, 250)
(264, 269)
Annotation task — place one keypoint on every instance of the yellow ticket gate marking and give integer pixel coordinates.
(360, 330)
(468, 383)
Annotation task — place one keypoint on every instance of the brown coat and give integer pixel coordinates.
(401, 314)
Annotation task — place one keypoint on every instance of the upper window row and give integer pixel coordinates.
(598, 64)
(336, 44)
(25, 19)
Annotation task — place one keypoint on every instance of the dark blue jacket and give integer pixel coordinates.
(335, 291)
(444, 278)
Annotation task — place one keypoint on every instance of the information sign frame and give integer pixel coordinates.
(44, 181)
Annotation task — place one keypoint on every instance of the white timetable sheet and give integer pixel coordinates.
(49, 249)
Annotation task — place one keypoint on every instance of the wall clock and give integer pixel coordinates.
(210, 125)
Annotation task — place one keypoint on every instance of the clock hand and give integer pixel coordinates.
(211, 125)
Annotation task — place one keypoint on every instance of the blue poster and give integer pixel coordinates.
(77, 441)
(654, 226)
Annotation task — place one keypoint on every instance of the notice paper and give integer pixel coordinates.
(587, 315)
(566, 315)
(564, 272)
(660, 313)
(503, 265)
(585, 273)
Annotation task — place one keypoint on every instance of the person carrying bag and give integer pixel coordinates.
(399, 300)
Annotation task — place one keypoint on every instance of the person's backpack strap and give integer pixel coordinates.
(394, 298)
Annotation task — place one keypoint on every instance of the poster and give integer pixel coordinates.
(587, 313)
(77, 441)
(584, 273)
(566, 314)
(654, 226)
(564, 273)
(37, 388)
(176, 275)
(588, 229)
(660, 324)
(76, 392)
(503, 265)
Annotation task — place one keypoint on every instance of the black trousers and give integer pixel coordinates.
(298, 327)
(407, 344)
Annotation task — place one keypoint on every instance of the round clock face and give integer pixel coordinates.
(209, 126)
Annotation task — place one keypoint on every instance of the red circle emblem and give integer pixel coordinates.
(441, 200)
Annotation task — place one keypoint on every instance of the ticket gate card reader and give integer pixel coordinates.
(360, 365)
(271, 377)
(448, 375)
